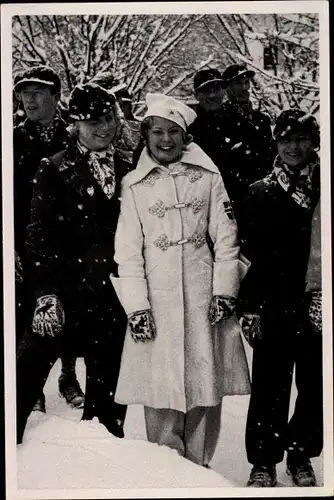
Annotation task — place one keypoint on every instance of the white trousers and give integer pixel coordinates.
(193, 434)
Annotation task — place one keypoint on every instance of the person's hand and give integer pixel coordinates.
(142, 326)
(49, 316)
(18, 268)
(315, 311)
(251, 327)
(221, 307)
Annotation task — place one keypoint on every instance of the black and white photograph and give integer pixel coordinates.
(166, 185)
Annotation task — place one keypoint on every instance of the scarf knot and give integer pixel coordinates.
(299, 185)
(102, 167)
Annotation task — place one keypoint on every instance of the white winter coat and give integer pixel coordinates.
(165, 265)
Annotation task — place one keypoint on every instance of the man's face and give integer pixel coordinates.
(97, 134)
(39, 103)
(295, 149)
(210, 96)
(238, 89)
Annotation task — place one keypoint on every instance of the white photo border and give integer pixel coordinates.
(7, 11)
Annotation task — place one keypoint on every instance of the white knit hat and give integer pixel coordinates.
(169, 108)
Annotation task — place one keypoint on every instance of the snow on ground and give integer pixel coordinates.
(60, 452)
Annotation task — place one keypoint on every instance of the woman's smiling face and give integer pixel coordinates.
(97, 134)
(295, 150)
(165, 140)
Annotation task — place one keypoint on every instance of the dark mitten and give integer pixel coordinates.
(221, 307)
(315, 311)
(142, 326)
(251, 327)
(49, 316)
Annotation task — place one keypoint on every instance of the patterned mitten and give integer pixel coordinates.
(49, 316)
(142, 326)
(18, 269)
(315, 311)
(221, 307)
(251, 327)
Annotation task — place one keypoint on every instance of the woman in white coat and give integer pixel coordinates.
(179, 270)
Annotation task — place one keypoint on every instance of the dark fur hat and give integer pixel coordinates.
(292, 121)
(89, 102)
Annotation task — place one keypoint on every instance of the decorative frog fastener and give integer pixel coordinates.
(159, 208)
(151, 178)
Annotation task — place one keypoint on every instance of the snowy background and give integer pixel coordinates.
(59, 451)
(161, 53)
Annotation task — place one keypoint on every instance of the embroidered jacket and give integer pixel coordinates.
(70, 237)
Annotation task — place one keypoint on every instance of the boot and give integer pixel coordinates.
(301, 471)
(68, 384)
(263, 476)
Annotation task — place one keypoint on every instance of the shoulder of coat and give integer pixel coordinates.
(126, 180)
(55, 160)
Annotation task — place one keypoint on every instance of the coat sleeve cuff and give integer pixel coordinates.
(132, 293)
(228, 275)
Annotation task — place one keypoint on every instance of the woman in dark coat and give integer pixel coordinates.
(275, 231)
(70, 241)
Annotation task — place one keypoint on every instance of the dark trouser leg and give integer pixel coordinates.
(68, 365)
(35, 358)
(273, 361)
(102, 359)
(305, 429)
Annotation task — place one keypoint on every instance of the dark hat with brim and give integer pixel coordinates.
(122, 94)
(294, 121)
(89, 102)
(236, 71)
(39, 74)
(206, 76)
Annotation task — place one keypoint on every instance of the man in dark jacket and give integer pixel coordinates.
(42, 134)
(70, 240)
(275, 229)
(235, 136)
(207, 128)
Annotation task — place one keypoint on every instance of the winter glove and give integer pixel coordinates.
(49, 316)
(221, 307)
(18, 269)
(315, 311)
(251, 327)
(142, 326)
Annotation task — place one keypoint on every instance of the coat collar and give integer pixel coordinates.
(193, 156)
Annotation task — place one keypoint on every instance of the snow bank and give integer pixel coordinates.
(58, 453)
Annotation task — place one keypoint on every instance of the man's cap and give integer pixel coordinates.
(38, 74)
(89, 102)
(235, 71)
(205, 76)
(167, 107)
(293, 121)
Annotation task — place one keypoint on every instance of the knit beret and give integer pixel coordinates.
(167, 107)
